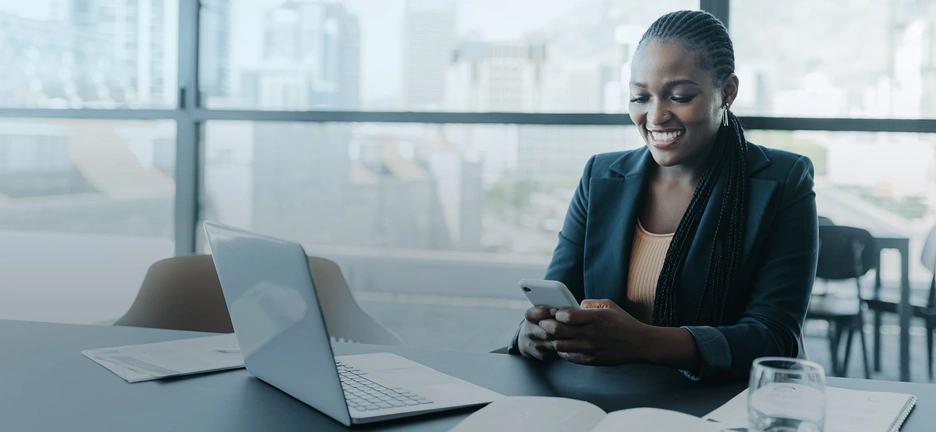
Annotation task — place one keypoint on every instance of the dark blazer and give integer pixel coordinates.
(776, 271)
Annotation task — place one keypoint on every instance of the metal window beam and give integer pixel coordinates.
(188, 132)
(719, 8)
(584, 119)
(199, 116)
(90, 114)
(840, 124)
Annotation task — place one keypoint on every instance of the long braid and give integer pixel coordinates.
(700, 31)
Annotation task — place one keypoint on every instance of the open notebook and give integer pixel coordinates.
(548, 414)
(846, 411)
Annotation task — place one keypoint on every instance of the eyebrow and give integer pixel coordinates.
(669, 84)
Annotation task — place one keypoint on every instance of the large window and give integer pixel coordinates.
(80, 200)
(474, 189)
(853, 58)
(422, 55)
(88, 53)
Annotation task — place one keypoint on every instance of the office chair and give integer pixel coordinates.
(824, 221)
(844, 253)
(184, 293)
(920, 308)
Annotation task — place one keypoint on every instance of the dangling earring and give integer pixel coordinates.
(725, 117)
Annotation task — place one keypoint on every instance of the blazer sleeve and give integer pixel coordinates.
(567, 264)
(772, 320)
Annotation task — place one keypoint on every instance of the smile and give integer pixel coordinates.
(664, 139)
(665, 136)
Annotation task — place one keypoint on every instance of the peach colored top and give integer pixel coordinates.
(647, 255)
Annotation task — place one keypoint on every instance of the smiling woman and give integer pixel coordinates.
(700, 248)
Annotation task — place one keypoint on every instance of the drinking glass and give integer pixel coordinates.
(786, 395)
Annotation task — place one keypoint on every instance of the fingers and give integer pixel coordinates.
(540, 350)
(589, 312)
(555, 330)
(577, 351)
(598, 304)
(536, 314)
(579, 358)
(536, 331)
(533, 347)
(576, 316)
(573, 346)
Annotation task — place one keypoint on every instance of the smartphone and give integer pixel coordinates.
(548, 293)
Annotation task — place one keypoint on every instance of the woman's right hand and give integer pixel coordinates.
(533, 341)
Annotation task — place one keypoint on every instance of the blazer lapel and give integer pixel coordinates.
(760, 198)
(613, 204)
(691, 305)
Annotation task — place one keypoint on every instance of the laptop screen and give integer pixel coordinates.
(277, 318)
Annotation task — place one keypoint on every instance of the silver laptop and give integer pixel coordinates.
(270, 293)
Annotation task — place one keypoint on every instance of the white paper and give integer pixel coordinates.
(653, 420)
(847, 410)
(533, 413)
(136, 363)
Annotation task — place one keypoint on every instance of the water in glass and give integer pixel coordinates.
(786, 395)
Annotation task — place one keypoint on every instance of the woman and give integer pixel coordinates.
(702, 246)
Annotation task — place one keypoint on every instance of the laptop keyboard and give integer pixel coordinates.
(363, 394)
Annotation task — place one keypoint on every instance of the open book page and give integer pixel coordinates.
(846, 410)
(653, 420)
(541, 414)
(144, 362)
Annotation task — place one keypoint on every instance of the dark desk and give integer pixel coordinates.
(46, 384)
(902, 245)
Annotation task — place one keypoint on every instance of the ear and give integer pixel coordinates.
(730, 90)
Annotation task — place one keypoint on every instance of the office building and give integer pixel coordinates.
(428, 42)
(215, 49)
(303, 55)
(496, 76)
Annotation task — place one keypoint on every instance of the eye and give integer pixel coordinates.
(639, 99)
(682, 99)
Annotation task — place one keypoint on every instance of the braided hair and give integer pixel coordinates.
(702, 32)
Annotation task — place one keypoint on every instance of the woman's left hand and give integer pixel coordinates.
(599, 334)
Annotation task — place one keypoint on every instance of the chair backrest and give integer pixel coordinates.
(184, 293)
(180, 293)
(845, 252)
(344, 318)
(825, 221)
(928, 257)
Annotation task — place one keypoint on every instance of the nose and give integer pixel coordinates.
(657, 114)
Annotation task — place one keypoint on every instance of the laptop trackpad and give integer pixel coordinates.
(392, 371)
(412, 376)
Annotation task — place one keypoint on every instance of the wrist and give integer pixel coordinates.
(654, 339)
(672, 347)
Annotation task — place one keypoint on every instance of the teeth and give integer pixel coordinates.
(665, 136)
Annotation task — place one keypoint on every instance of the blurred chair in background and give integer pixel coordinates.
(180, 293)
(882, 303)
(844, 253)
(184, 293)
